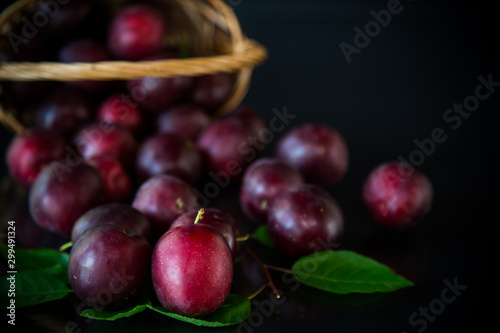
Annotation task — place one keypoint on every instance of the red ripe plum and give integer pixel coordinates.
(224, 148)
(262, 182)
(396, 197)
(30, 151)
(97, 139)
(118, 109)
(169, 154)
(192, 270)
(186, 121)
(305, 219)
(116, 180)
(63, 111)
(217, 219)
(162, 199)
(108, 266)
(113, 213)
(319, 152)
(212, 91)
(155, 94)
(136, 31)
(61, 194)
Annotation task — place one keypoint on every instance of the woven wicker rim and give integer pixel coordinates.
(240, 57)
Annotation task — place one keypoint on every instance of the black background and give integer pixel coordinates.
(395, 91)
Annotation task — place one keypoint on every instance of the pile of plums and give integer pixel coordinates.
(114, 166)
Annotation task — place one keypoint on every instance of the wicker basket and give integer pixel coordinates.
(214, 33)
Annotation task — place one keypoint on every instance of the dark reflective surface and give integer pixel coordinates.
(386, 102)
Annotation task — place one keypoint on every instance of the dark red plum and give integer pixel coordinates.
(262, 182)
(397, 196)
(169, 154)
(113, 213)
(212, 91)
(116, 180)
(192, 270)
(250, 118)
(216, 218)
(30, 151)
(97, 139)
(120, 110)
(155, 94)
(162, 199)
(319, 152)
(85, 50)
(186, 121)
(61, 194)
(30, 235)
(108, 266)
(64, 111)
(226, 148)
(64, 19)
(305, 219)
(136, 31)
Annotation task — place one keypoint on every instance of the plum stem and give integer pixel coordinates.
(279, 269)
(266, 271)
(65, 246)
(257, 292)
(200, 213)
(243, 238)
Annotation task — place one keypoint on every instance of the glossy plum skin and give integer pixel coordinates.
(223, 144)
(217, 219)
(162, 199)
(97, 139)
(61, 194)
(116, 180)
(211, 91)
(108, 266)
(192, 270)
(63, 111)
(319, 152)
(120, 110)
(155, 94)
(396, 198)
(135, 32)
(249, 117)
(85, 50)
(305, 219)
(30, 151)
(113, 213)
(262, 182)
(186, 121)
(169, 154)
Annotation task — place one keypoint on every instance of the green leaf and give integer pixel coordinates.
(34, 286)
(36, 259)
(345, 272)
(113, 315)
(234, 310)
(261, 234)
(42, 276)
(138, 305)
